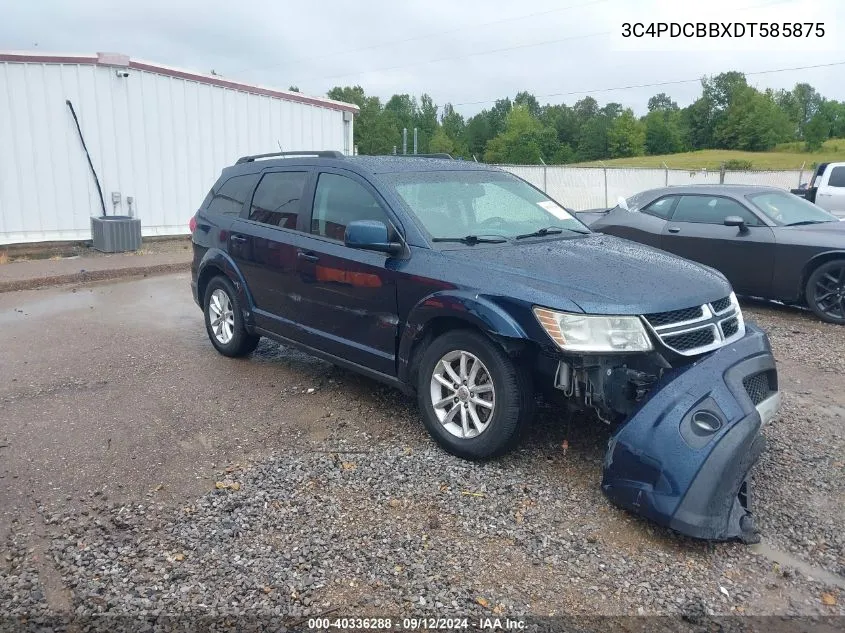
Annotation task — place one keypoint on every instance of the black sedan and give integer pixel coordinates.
(766, 241)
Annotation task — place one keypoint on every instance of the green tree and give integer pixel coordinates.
(454, 127)
(662, 133)
(816, 131)
(592, 139)
(524, 140)
(375, 131)
(529, 101)
(477, 134)
(662, 103)
(440, 142)
(753, 122)
(626, 136)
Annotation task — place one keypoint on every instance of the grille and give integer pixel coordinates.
(730, 327)
(675, 316)
(722, 304)
(690, 340)
(758, 387)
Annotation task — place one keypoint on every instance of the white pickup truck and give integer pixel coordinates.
(826, 188)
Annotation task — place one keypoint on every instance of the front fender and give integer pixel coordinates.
(216, 261)
(474, 309)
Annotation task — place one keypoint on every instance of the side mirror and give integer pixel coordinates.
(370, 235)
(735, 220)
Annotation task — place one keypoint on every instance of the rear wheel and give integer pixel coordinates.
(473, 399)
(826, 291)
(224, 319)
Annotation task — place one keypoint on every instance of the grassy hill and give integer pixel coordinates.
(784, 156)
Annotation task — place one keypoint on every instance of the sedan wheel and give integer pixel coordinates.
(463, 394)
(826, 291)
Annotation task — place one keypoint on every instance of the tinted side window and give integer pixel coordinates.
(711, 210)
(661, 208)
(230, 197)
(276, 201)
(338, 201)
(837, 177)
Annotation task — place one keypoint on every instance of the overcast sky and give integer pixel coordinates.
(469, 52)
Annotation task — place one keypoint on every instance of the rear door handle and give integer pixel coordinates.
(240, 239)
(308, 257)
(674, 229)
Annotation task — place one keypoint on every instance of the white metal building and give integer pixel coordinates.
(157, 136)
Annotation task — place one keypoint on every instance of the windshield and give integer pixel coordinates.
(786, 208)
(457, 204)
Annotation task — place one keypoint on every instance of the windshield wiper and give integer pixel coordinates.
(549, 230)
(803, 222)
(472, 240)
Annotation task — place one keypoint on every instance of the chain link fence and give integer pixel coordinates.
(582, 188)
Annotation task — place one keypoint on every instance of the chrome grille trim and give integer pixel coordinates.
(710, 319)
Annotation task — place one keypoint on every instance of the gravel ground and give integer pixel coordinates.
(358, 513)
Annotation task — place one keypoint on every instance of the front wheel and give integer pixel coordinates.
(224, 320)
(825, 291)
(474, 400)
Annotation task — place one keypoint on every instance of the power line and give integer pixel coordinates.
(655, 84)
(443, 59)
(427, 36)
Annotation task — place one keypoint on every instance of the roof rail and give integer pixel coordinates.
(440, 155)
(318, 154)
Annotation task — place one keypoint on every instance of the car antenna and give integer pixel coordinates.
(280, 145)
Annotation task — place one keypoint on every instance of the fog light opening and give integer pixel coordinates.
(705, 423)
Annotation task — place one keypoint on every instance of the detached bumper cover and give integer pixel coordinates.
(683, 458)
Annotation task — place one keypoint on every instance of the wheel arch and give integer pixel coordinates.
(813, 264)
(218, 263)
(447, 311)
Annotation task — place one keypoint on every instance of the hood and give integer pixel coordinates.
(600, 273)
(827, 235)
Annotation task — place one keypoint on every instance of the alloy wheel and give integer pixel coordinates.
(462, 394)
(221, 316)
(830, 292)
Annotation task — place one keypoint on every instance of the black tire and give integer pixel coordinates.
(825, 291)
(241, 342)
(514, 398)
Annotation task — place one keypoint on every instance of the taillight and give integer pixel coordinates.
(192, 225)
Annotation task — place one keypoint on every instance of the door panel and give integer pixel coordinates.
(348, 301)
(263, 245)
(349, 305)
(745, 257)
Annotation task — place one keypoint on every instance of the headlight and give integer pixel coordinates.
(592, 333)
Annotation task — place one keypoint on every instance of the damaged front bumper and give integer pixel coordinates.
(682, 459)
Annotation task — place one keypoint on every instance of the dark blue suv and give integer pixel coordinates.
(467, 286)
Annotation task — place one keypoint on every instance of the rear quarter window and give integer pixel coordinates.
(229, 198)
(837, 177)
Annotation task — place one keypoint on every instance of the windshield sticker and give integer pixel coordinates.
(555, 209)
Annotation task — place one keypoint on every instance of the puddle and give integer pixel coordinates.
(783, 558)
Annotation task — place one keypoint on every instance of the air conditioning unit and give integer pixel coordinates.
(116, 233)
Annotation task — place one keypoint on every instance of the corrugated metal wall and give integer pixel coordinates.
(161, 140)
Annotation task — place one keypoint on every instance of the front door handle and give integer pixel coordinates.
(240, 239)
(674, 229)
(308, 257)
